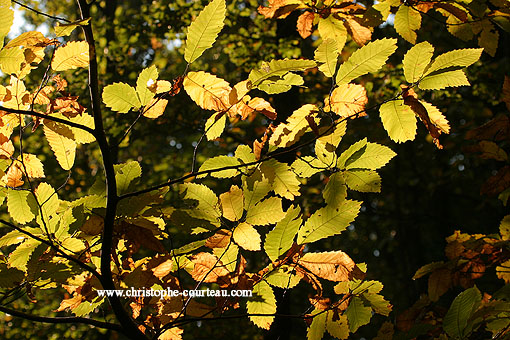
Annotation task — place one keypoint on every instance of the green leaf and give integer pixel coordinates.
(49, 202)
(11, 277)
(504, 228)
(262, 302)
(20, 256)
(363, 180)
(11, 59)
(220, 162)
(11, 238)
(456, 58)
(335, 191)
(368, 58)
(266, 212)
(378, 303)
(21, 205)
(318, 325)
(416, 61)
(62, 30)
(280, 239)
(228, 256)
(120, 97)
(398, 120)
(146, 78)
(255, 188)
(372, 156)
(283, 277)
(125, 173)
(438, 81)
(277, 85)
(207, 207)
(278, 68)
(327, 56)
(6, 19)
(354, 149)
(284, 180)
(307, 166)
(334, 29)
(214, 126)
(407, 21)
(455, 322)
(63, 147)
(357, 314)
(328, 221)
(204, 30)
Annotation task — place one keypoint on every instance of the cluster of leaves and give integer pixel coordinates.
(117, 236)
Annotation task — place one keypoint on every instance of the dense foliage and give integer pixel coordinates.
(311, 152)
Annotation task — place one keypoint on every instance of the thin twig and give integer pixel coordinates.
(41, 13)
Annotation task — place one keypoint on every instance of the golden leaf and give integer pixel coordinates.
(208, 268)
(155, 108)
(360, 34)
(333, 266)
(348, 100)
(207, 90)
(247, 237)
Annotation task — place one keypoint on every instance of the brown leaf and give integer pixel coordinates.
(219, 240)
(497, 129)
(208, 268)
(304, 24)
(455, 11)
(411, 100)
(439, 283)
(360, 34)
(333, 266)
(497, 183)
(142, 236)
(163, 269)
(505, 94)
(277, 9)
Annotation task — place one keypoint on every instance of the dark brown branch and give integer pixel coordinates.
(63, 319)
(132, 330)
(54, 119)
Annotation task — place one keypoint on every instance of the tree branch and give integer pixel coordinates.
(63, 319)
(54, 119)
(41, 13)
(132, 330)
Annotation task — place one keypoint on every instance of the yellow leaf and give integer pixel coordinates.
(436, 117)
(63, 147)
(407, 21)
(288, 133)
(31, 165)
(247, 237)
(503, 271)
(332, 28)
(262, 302)
(337, 328)
(232, 204)
(207, 90)
(347, 100)
(11, 59)
(70, 56)
(155, 108)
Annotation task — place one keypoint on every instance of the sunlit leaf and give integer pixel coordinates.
(120, 97)
(416, 61)
(262, 302)
(204, 30)
(368, 58)
(407, 22)
(398, 120)
(247, 237)
(280, 239)
(70, 56)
